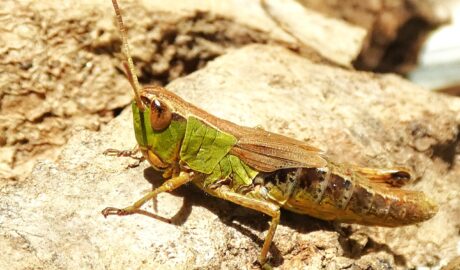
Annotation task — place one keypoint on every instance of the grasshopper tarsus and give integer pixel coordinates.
(109, 211)
(136, 164)
(126, 153)
(113, 211)
(266, 266)
(121, 153)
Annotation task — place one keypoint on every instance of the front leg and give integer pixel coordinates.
(167, 186)
(126, 153)
(122, 153)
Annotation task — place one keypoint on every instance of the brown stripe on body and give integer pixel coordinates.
(349, 193)
(381, 205)
(324, 184)
(361, 199)
(314, 181)
(340, 193)
(339, 190)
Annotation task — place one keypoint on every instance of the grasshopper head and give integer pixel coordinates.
(158, 129)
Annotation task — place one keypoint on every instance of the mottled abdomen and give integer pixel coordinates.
(342, 194)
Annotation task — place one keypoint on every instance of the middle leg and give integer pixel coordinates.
(265, 207)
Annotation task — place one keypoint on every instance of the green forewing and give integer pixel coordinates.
(242, 173)
(203, 146)
(164, 143)
(230, 165)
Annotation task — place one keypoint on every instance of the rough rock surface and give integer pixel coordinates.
(52, 219)
(60, 61)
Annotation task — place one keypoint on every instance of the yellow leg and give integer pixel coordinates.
(268, 208)
(167, 186)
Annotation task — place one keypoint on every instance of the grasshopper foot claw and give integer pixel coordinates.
(126, 153)
(264, 263)
(135, 164)
(108, 211)
(119, 153)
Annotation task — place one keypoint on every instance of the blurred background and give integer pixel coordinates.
(438, 66)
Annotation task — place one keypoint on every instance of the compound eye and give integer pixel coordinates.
(145, 101)
(160, 115)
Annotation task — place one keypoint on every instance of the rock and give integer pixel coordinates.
(61, 62)
(53, 220)
(313, 30)
(396, 30)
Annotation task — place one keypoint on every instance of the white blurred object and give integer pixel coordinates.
(439, 64)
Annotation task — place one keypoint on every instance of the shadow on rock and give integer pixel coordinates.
(246, 220)
(357, 244)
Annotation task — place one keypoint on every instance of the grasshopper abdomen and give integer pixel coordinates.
(340, 193)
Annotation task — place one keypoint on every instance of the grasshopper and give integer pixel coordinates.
(257, 169)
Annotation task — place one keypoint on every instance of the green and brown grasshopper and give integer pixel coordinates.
(258, 169)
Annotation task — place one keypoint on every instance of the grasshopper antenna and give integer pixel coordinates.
(129, 66)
